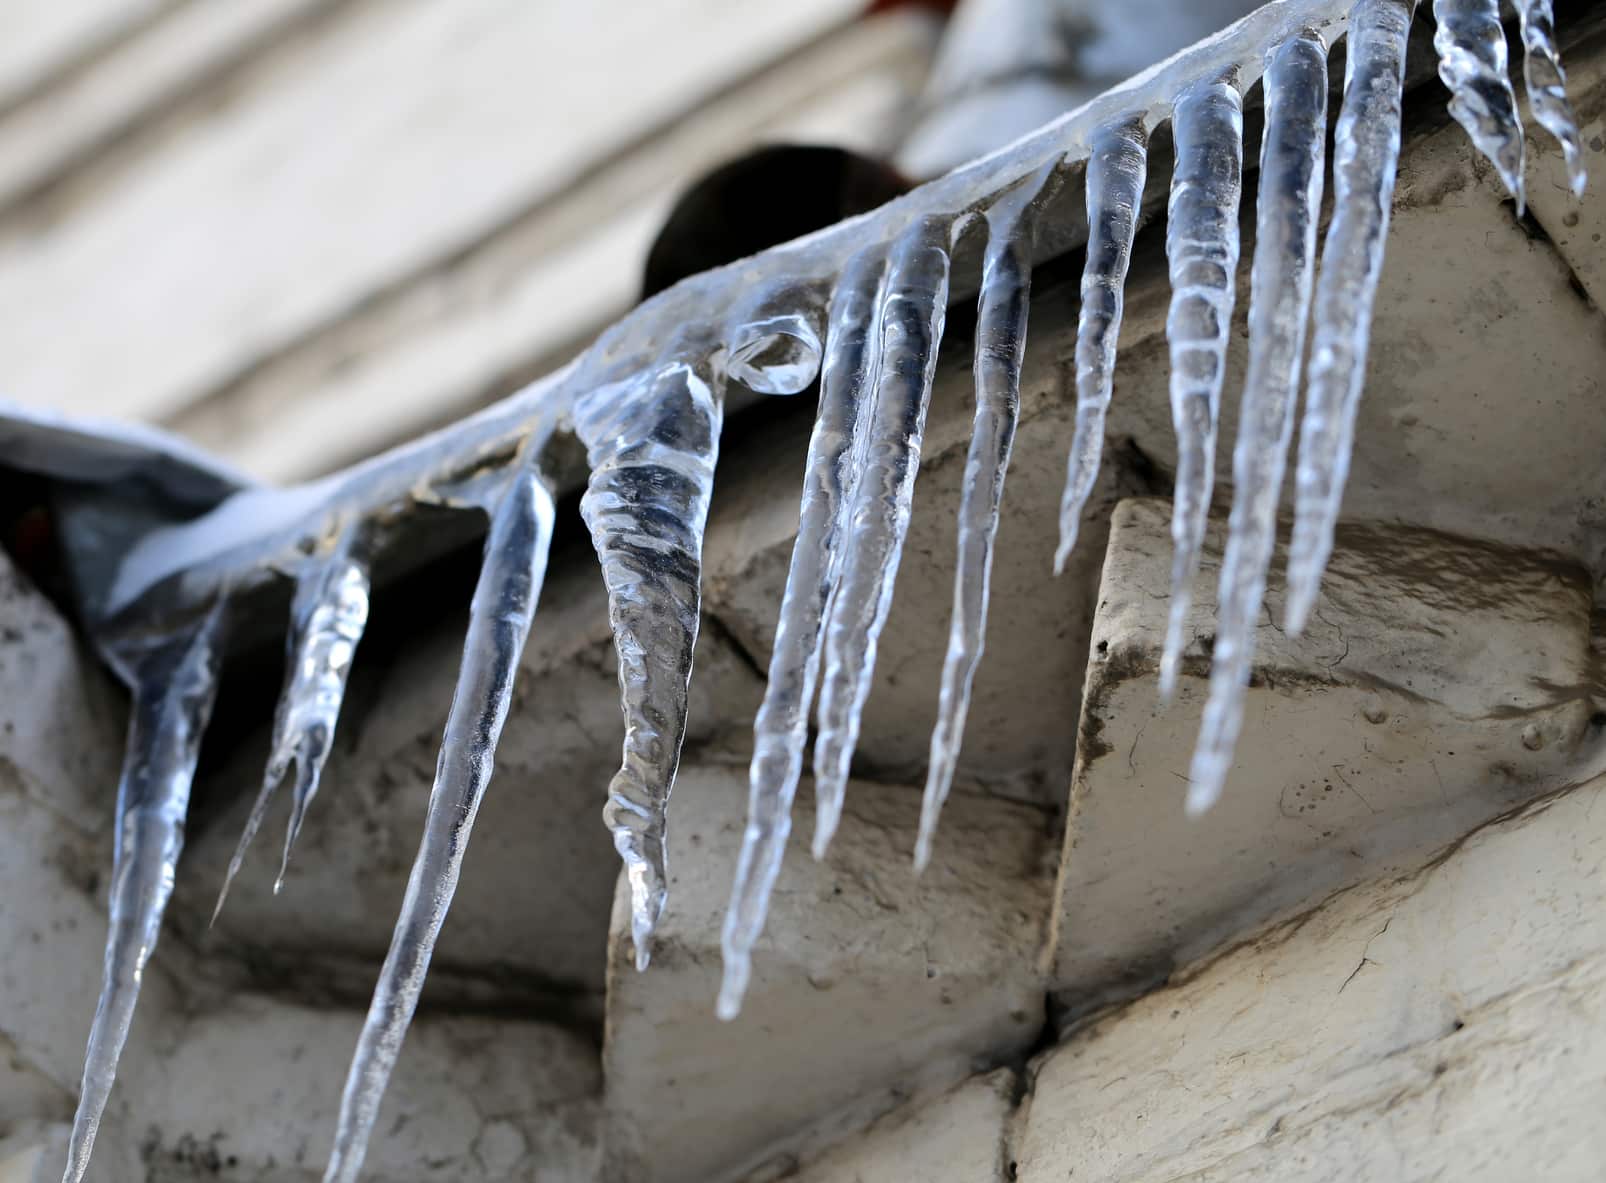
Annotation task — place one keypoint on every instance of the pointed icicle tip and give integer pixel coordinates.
(1288, 205)
(1472, 62)
(913, 308)
(652, 439)
(1202, 249)
(511, 575)
(1117, 170)
(780, 730)
(1000, 347)
(174, 680)
(1546, 83)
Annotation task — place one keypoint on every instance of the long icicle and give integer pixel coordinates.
(912, 315)
(1366, 153)
(174, 681)
(1117, 170)
(327, 618)
(1202, 247)
(780, 730)
(499, 621)
(1472, 62)
(652, 445)
(1000, 349)
(1279, 306)
(1546, 83)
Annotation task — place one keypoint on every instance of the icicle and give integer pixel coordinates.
(775, 340)
(651, 444)
(1116, 173)
(1000, 347)
(1366, 152)
(1202, 247)
(1279, 304)
(499, 621)
(912, 313)
(781, 728)
(1472, 62)
(1547, 86)
(174, 680)
(327, 619)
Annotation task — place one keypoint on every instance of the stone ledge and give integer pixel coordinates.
(1445, 1024)
(871, 985)
(1441, 683)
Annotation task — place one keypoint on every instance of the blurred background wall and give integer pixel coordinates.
(299, 231)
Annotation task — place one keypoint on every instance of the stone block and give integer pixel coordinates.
(1441, 683)
(870, 986)
(1449, 1023)
(959, 1137)
(248, 1089)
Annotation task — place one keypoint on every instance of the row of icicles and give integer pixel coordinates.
(652, 443)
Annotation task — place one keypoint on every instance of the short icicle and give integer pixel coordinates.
(1000, 349)
(1279, 306)
(499, 621)
(327, 618)
(912, 312)
(174, 682)
(780, 730)
(1117, 170)
(1366, 153)
(651, 441)
(1202, 248)
(1472, 62)
(1547, 86)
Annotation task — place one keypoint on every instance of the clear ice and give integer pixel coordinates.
(1289, 201)
(780, 730)
(862, 304)
(1472, 61)
(499, 621)
(886, 459)
(1366, 153)
(327, 618)
(1201, 244)
(174, 680)
(1006, 284)
(1117, 169)
(651, 441)
(1547, 86)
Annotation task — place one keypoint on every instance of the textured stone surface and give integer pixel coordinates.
(959, 1137)
(1448, 1024)
(1441, 682)
(870, 984)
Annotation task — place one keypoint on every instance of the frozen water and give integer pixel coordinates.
(862, 304)
(1006, 282)
(1202, 246)
(1547, 86)
(781, 728)
(886, 459)
(651, 442)
(327, 619)
(1289, 200)
(499, 621)
(1366, 152)
(1472, 62)
(174, 680)
(1117, 169)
